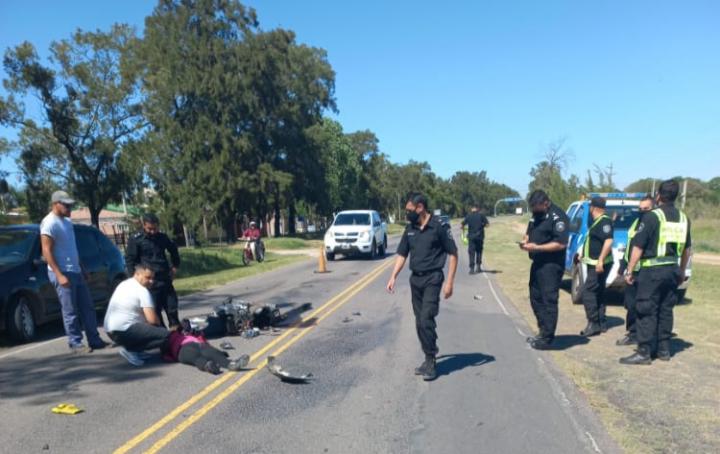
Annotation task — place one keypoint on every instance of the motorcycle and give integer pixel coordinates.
(254, 249)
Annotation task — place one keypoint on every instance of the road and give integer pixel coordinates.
(493, 393)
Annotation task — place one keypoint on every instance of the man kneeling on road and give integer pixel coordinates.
(131, 320)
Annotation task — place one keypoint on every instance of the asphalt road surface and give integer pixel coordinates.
(493, 394)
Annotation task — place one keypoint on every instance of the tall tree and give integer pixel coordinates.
(89, 114)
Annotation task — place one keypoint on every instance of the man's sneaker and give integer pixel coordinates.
(80, 349)
(420, 370)
(99, 345)
(212, 367)
(430, 373)
(131, 357)
(144, 355)
(239, 364)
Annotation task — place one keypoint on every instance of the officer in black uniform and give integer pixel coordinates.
(428, 242)
(476, 223)
(149, 247)
(597, 260)
(662, 249)
(545, 241)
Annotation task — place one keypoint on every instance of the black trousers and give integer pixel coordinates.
(197, 354)
(656, 297)
(630, 302)
(592, 294)
(141, 336)
(475, 250)
(425, 291)
(545, 279)
(166, 299)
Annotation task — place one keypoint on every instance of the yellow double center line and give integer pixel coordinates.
(326, 309)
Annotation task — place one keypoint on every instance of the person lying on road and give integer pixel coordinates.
(191, 348)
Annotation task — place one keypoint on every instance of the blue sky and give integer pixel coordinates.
(483, 85)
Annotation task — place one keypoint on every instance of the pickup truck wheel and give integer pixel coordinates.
(21, 320)
(373, 251)
(576, 285)
(383, 248)
(330, 256)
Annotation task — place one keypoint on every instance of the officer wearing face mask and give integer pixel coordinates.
(545, 241)
(149, 247)
(427, 241)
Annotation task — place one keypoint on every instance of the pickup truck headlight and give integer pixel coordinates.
(364, 235)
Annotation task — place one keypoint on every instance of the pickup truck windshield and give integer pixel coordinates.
(352, 219)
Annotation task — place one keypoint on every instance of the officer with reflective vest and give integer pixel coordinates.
(597, 259)
(661, 247)
(646, 204)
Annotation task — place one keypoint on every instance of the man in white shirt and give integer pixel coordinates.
(57, 238)
(131, 320)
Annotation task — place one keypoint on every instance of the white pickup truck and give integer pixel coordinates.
(357, 232)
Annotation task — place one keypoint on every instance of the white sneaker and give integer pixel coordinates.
(131, 357)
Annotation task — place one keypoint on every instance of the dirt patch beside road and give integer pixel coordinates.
(707, 259)
(666, 407)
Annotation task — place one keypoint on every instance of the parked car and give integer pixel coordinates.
(359, 232)
(27, 297)
(623, 209)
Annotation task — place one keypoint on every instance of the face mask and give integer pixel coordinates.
(412, 217)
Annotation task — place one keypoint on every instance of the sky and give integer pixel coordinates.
(487, 85)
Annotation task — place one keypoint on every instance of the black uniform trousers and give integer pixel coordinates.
(630, 302)
(425, 289)
(198, 354)
(475, 250)
(141, 336)
(656, 297)
(545, 279)
(592, 294)
(165, 299)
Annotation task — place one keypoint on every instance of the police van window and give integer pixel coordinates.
(352, 219)
(576, 221)
(623, 217)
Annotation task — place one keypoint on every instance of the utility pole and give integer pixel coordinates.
(684, 195)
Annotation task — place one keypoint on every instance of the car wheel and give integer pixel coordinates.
(330, 256)
(21, 320)
(383, 248)
(373, 251)
(576, 285)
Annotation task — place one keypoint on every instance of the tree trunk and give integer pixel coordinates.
(186, 234)
(292, 215)
(205, 229)
(95, 216)
(277, 218)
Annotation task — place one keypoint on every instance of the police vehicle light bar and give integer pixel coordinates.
(618, 195)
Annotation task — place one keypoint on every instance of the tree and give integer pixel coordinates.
(90, 114)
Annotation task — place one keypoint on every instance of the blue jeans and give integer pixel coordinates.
(77, 308)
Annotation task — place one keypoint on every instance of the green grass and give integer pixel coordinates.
(666, 407)
(206, 268)
(290, 243)
(705, 236)
(395, 229)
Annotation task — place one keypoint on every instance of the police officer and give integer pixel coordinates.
(545, 241)
(662, 249)
(475, 223)
(149, 247)
(646, 204)
(427, 241)
(597, 260)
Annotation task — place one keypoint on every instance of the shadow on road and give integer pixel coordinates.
(566, 341)
(447, 364)
(678, 345)
(48, 379)
(491, 271)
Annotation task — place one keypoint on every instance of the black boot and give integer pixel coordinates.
(592, 329)
(629, 339)
(663, 352)
(640, 357)
(430, 373)
(420, 370)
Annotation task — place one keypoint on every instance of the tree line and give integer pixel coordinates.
(204, 116)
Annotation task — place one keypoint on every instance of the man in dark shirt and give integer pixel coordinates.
(428, 242)
(662, 249)
(545, 241)
(475, 223)
(149, 247)
(597, 259)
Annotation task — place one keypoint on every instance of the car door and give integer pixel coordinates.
(48, 294)
(577, 230)
(91, 261)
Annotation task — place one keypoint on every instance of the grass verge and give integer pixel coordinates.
(290, 243)
(705, 235)
(667, 407)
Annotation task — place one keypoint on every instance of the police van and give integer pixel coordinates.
(622, 207)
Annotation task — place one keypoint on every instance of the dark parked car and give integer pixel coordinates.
(27, 298)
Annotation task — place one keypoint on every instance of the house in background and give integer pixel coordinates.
(114, 221)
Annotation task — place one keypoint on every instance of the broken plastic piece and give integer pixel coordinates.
(477, 297)
(357, 314)
(346, 320)
(285, 376)
(227, 346)
(66, 409)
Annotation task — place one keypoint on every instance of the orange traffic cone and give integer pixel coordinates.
(322, 263)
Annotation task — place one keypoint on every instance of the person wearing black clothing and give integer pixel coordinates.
(476, 223)
(149, 247)
(597, 259)
(428, 242)
(630, 294)
(545, 241)
(661, 248)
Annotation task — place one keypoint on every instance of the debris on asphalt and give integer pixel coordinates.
(346, 320)
(285, 376)
(357, 314)
(66, 409)
(46, 447)
(227, 346)
(477, 297)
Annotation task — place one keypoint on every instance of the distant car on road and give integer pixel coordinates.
(358, 232)
(27, 297)
(622, 207)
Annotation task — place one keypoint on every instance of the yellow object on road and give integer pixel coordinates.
(66, 409)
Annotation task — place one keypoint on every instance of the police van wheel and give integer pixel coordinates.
(576, 285)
